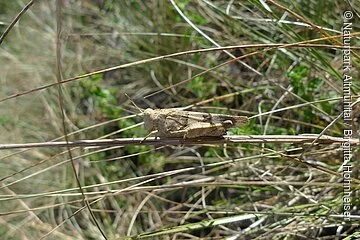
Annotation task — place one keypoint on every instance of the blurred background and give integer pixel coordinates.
(149, 50)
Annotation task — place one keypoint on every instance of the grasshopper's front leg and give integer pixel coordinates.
(150, 133)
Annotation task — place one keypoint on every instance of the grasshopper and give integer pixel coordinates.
(187, 124)
(175, 123)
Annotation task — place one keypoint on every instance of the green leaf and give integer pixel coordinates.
(315, 84)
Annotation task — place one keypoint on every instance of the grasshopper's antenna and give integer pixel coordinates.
(134, 103)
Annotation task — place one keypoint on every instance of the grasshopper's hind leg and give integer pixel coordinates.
(201, 130)
(180, 133)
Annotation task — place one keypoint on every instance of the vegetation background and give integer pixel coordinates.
(208, 191)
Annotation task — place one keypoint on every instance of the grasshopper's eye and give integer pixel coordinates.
(148, 111)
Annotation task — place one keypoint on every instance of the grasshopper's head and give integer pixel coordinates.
(149, 119)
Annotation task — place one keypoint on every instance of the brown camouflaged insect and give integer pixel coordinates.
(186, 124)
(175, 123)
